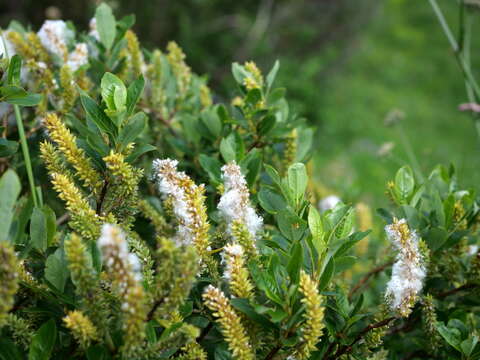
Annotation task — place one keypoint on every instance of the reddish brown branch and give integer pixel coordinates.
(454, 291)
(367, 277)
(346, 349)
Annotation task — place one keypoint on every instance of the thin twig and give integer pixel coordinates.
(454, 291)
(346, 349)
(406, 327)
(367, 277)
(155, 306)
(62, 219)
(102, 197)
(273, 352)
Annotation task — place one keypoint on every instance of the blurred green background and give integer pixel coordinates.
(347, 65)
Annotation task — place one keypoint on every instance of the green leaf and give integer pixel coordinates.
(316, 228)
(343, 263)
(297, 180)
(244, 306)
(96, 257)
(56, 270)
(239, 73)
(253, 97)
(9, 190)
(38, 230)
(212, 122)
(345, 226)
(7, 147)
(270, 201)
(266, 124)
(404, 184)
(106, 25)
(272, 74)
(276, 95)
(12, 92)
(96, 114)
(212, 166)
(273, 173)
(22, 218)
(139, 150)
(227, 149)
(304, 143)
(97, 144)
(251, 165)
(150, 332)
(134, 92)
(14, 69)
(295, 262)
(451, 335)
(350, 242)
(16, 95)
(43, 341)
(133, 129)
(291, 226)
(98, 352)
(232, 148)
(327, 274)
(114, 92)
(340, 219)
(27, 100)
(124, 24)
(468, 345)
(51, 222)
(8, 350)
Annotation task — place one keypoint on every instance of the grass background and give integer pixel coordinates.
(401, 61)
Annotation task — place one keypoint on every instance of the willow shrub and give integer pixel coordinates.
(172, 226)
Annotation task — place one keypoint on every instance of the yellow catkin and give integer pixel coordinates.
(22, 47)
(21, 330)
(230, 322)
(157, 97)
(68, 94)
(253, 69)
(176, 271)
(8, 279)
(66, 143)
(40, 53)
(250, 83)
(205, 96)
(184, 192)
(158, 221)
(81, 327)
(128, 176)
(314, 312)
(241, 235)
(193, 351)
(79, 264)
(182, 72)
(127, 284)
(53, 159)
(83, 80)
(459, 216)
(136, 58)
(290, 152)
(236, 272)
(83, 218)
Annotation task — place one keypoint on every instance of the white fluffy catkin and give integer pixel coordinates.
(408, 272)
(235, 204)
